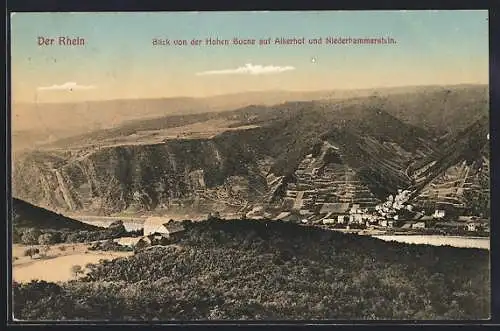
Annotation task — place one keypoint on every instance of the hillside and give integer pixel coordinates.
(227, 170)
(227, 161)
(42, 123)
(250, 270)
(26, 215)
(439, 108)
(457, 172)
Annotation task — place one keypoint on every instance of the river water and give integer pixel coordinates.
(438, 240)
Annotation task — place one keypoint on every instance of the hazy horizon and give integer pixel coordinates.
(119, 61)
(395, 87)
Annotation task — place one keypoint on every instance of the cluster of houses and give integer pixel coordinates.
(327, 192)
(345, 215)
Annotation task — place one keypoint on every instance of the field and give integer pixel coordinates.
(200, 130)
(56, 265)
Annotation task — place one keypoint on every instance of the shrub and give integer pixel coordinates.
(16, 236)
(46, 239)
(30, 236)
(76, 270)
(31, 252)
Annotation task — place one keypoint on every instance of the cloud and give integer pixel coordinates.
(68, 86)
(249, 69)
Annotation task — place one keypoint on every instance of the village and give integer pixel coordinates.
(329, 194)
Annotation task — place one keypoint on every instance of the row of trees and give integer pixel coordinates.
(33, 236)
(110, 245)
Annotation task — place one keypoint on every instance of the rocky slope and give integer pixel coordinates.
(253, 157)
(145, 177)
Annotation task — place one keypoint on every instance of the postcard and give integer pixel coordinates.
(250, 166)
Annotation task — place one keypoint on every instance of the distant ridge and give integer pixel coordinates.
(34, 124)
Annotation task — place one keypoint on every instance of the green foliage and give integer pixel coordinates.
(76, 270)
(46, 239)
(31, 252)
(478, 201)
(110, 245)
(271, 270)
(45, 249)
(41, 300)
(16, 236)
(30, 236)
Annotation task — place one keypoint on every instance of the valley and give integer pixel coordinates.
(301, 157)
(358, 206)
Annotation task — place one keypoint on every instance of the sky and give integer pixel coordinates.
(119, 60)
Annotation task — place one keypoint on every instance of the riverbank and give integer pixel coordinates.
(439, 240)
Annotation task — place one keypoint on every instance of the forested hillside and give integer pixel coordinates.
(269, 271)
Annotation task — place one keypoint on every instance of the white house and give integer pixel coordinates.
(473, 226)
(439, 213)
(355, 209)
(341, 219)
(356, 218)
(418, 225)
(328, 221)
(159, 225)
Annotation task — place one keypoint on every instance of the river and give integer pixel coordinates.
(439, 240)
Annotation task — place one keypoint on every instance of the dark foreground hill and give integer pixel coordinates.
(26, 215)
(269, 271)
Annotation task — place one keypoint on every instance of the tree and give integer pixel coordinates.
(76, 270)
(46, 239)
(30, 236)
(116, 229)
(31, 252)
(16, 236)
(72, 238)
(45, 249)
(141, 244)
(57, 237)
